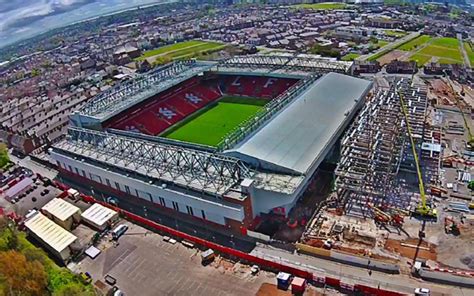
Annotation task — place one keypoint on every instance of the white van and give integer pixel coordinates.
(119, 231)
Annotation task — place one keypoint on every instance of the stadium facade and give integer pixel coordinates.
(262, 166)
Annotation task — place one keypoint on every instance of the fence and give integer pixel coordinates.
(246, 258)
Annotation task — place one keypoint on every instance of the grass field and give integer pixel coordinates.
(445, 50)
(350, 57)
(181, 50)
(394, 33)
(323, 5)
(210, 125)
(470, 52)
(442, 52)
(449, 61)
(420, 59)
(418, 41)
(446, 42)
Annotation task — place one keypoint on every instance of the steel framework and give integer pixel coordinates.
(290, 62)
(201, 171)
(375, 150)
(140, 88)
(370, 155)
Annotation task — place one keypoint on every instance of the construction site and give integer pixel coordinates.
(402, 195)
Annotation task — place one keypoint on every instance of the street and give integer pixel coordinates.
(400, 283)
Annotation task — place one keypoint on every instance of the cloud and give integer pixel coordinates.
(18, 13)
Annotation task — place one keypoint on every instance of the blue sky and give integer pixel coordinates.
(20, 19)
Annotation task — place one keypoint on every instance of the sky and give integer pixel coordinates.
(21, 19)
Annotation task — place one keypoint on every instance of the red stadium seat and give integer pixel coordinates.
(163, 110)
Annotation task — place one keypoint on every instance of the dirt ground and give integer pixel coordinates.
(393, 55)
(425, 251)
(462, 246)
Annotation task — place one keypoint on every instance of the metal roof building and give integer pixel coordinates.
(99, 216)
(300, 134)
(55, 238)
(62, 212)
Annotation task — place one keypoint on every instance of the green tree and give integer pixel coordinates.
(471, 185)
(4, 159)
(35, 72)
(20, 276)
(13, 242)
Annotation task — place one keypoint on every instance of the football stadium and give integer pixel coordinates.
(224, 142)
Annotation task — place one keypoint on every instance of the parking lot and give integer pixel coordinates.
(34, 194)
(144, 264)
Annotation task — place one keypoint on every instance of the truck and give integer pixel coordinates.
(73, 193)
(207, 257)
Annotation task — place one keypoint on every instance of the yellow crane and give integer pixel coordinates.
(422, 209)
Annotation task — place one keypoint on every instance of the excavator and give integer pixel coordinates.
(423, 209)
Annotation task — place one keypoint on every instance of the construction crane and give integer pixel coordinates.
(422, 209)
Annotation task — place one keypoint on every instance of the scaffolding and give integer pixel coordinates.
(375, 148)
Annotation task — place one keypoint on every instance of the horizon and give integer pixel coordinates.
(30, 23)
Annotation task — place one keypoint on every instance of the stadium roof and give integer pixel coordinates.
(60, 208)
(51, 233)
(301, 134)
(285, 63)
(124, 95)
(188, 168)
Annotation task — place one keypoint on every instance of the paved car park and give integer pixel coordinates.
(144, 264)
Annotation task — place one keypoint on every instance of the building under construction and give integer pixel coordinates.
(377, 169)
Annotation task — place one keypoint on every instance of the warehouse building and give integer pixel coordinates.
(62, 213)
(53, 237)
(99, 217)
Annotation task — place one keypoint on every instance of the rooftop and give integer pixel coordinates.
(51, 233)
(299, 134)
(60, 208)
(98, 214)
(123, 96)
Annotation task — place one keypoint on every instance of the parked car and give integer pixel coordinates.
(119, 231)
(422, 292)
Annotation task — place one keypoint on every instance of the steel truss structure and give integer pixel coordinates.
(198, 170)
(376, 149)
(299, 62)
(370, 155)
(247, 127)
(126, 94)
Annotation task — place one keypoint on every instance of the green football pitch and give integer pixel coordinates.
(209, 126)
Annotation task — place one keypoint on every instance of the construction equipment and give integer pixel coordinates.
(450, 226)
(422, 209)
(394, 218)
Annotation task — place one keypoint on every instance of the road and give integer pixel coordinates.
(350, 274)
(36, 167)
(467, 62)
(390, 46)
